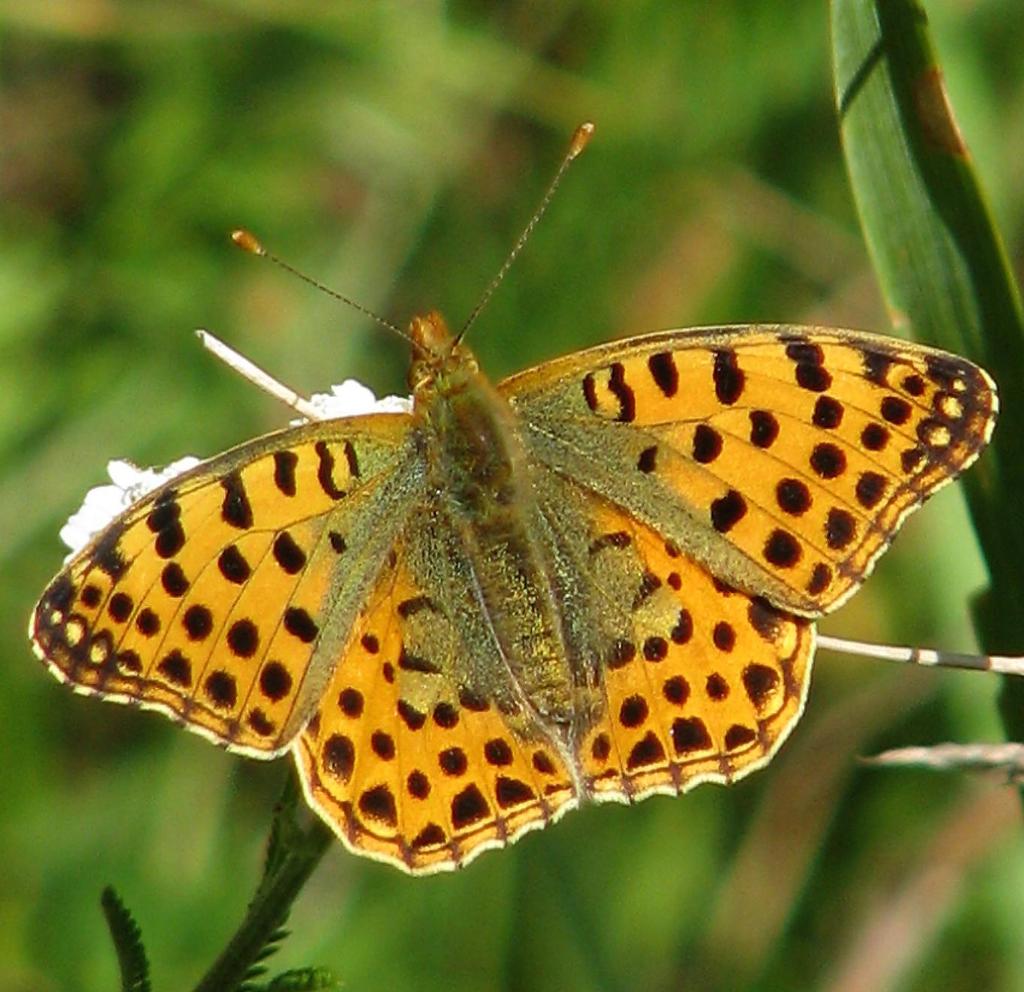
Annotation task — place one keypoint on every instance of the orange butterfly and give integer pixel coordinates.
(595, 580)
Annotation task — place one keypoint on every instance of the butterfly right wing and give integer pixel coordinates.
(783, 458)
(701, 682)
(220, 598)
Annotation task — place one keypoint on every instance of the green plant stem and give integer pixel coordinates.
(301, 849)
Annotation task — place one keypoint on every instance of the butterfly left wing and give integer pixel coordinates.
(219, 598)
(422, 753)
(783, 458)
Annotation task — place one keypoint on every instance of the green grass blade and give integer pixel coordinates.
(941, 265)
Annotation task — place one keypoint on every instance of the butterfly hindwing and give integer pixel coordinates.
(205, 599)
(410, 758)
(707, 683)
(783, 458)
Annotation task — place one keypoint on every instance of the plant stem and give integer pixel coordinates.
(299, 850)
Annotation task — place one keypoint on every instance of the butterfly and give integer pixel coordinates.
(595, 580)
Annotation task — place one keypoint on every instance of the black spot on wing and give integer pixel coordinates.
(782, 549)
(874, 437)
(512, 792)
(870, 489)
(233, 565)
(235, 508)
(821, 578)
(828, 413)
(647, 751)
(876, 367)
(793, 496)
(174, 580)
(353, 461)
(284, 471)
(338, 757)
(840, 528)
(764, 428)
(707, 444)
(287, 553)
(896, 410)
(325, 471)
(416, 663)
(648, 460)
(727, 511)
(828, 460)
(300, 624)
(623, 392)
(106, 555)
(415, 604)
(728, 377)
(664, 372)
(378, 803)
(468, 807)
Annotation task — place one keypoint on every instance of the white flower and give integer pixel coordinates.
(103, 503)
(352, 399)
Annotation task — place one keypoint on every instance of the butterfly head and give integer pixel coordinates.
(439, 360)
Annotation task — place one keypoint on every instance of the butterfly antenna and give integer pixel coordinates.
(248, 241)
(580, 139)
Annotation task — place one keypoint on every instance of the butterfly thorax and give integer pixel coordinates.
(480, 480)
(472, 444)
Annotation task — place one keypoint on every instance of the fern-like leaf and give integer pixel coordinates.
(127, 938)
(305, 980)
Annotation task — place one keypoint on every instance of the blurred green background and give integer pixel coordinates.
(395, 151)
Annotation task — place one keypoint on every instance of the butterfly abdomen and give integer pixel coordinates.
(479, 469)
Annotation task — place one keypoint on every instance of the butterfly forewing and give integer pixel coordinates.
(783, 458)
(220, 597)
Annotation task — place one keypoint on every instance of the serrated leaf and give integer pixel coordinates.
(127, 938)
